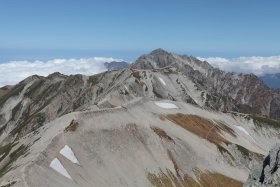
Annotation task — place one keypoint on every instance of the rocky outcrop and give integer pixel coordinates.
(268, 173)
(249, 93)
(116, 65)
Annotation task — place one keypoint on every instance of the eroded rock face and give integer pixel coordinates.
(268, 173)
(247, 90)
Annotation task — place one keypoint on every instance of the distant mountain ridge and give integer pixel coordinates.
(116, 65)
(272, 80)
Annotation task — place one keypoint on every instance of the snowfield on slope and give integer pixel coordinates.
(166, 105)
(243, 130)
(162, 81)
(67, 152)
(57, 166)
(109, 137)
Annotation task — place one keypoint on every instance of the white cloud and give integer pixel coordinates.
(256, 64)
(14, 71)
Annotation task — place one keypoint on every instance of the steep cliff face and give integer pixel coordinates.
(267, 173)
(247, 91)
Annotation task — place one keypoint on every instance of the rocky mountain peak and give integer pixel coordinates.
(245, 89)
(56, 75)
(159, 51)
(158, 58)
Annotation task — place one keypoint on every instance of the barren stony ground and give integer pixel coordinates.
(143, 144)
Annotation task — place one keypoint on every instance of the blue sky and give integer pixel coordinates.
(33, 29)
(45, 36)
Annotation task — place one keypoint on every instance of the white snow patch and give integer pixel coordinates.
(162, 81)
(69, 154)
(166, 105)
(57, 166)
(126, 88)
(242, 129)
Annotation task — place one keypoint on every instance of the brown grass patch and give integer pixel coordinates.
(176, 167)
(216, 179)
(203, 179)
(201, 127)
(159, 180)
(190, 182)
(162, 134)
(164, 180)
(72, 126)
(226, 128)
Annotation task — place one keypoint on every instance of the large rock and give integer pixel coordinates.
(268, 173)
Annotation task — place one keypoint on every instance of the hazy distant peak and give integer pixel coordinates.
(115, 65)
(272, 80)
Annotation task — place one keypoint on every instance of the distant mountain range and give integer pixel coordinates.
(116, 65)
(272, 80)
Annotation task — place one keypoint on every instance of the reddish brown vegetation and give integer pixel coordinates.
(203, 179)
(202, 127)
(72, 127)
(162, 134)
(176, 167)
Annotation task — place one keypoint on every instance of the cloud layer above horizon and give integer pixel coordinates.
(15, 71)
(255, 64)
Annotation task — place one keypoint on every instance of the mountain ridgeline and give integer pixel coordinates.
(193, 125)
(248, 93)
(272, 80)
